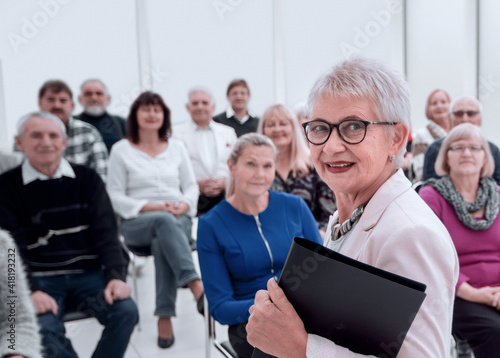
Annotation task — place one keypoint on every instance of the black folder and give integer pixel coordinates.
(355, 305)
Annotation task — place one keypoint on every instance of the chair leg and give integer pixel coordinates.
(211, 337)
(209, 328)
(134, 283)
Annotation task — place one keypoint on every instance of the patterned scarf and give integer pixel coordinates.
(487, 197)
(435, 130)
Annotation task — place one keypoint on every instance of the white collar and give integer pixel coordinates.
(198, 128)
(230, 113)
(30, 174)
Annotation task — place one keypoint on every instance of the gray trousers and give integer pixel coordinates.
(168, 238)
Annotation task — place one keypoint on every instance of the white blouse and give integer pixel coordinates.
(135, 178)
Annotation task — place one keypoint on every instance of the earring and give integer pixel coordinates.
(393, 158)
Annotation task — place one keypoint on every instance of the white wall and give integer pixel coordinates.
(68, 40)
(211, 42)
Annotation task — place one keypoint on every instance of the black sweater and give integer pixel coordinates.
(112, 128)
(62, 226)
(249, 126)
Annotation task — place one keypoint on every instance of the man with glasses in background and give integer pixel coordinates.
(463, 110)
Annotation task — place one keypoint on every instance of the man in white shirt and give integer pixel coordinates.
(209, 145)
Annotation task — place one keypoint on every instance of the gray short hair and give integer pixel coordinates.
(94, 80)
(364, 78)
(201, 89)
(21, 123)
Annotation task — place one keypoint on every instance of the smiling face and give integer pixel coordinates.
(354, 171)
(253, 173)
(43, 142)
(465, 159)
(278, 128)
(150, 117)
(200, 107)
(439, 107)
(238, 97)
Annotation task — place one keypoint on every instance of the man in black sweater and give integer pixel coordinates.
(237, 115)
(64, 225)
(95, 98)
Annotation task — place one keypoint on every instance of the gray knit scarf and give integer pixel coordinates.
(487, 197)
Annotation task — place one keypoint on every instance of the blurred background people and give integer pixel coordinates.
(95, 98)
(237, 114)
(437, 111)
(22, 340)
(465, 109)
(153, 189)
(245, 239)
(209, 145)
(300, 111)
(85, 145)
(64, 226)
(295, 173)
(466, 199)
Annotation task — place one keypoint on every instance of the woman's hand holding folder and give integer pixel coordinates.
(275, 324)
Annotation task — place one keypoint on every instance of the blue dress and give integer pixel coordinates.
(236, 260)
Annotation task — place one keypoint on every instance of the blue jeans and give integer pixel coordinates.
(166, 235)
(85, 291)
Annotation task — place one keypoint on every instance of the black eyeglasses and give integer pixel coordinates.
(461, 113)
(352, 131)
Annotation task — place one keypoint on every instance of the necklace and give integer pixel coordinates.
(346, 226)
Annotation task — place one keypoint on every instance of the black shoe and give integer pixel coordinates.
(200, 304)
(165, 342)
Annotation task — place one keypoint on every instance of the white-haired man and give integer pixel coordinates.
(209, 145)
(64, 225)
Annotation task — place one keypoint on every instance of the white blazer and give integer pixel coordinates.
(398, 232)
(225, 137)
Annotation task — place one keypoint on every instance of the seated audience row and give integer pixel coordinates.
(464, 110)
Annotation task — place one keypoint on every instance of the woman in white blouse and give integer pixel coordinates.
(152, 187)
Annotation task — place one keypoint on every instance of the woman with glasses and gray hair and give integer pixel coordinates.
(244, 240)
(466, 199)
(358, 127)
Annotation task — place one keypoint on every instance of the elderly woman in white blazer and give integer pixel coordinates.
(359, 120)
